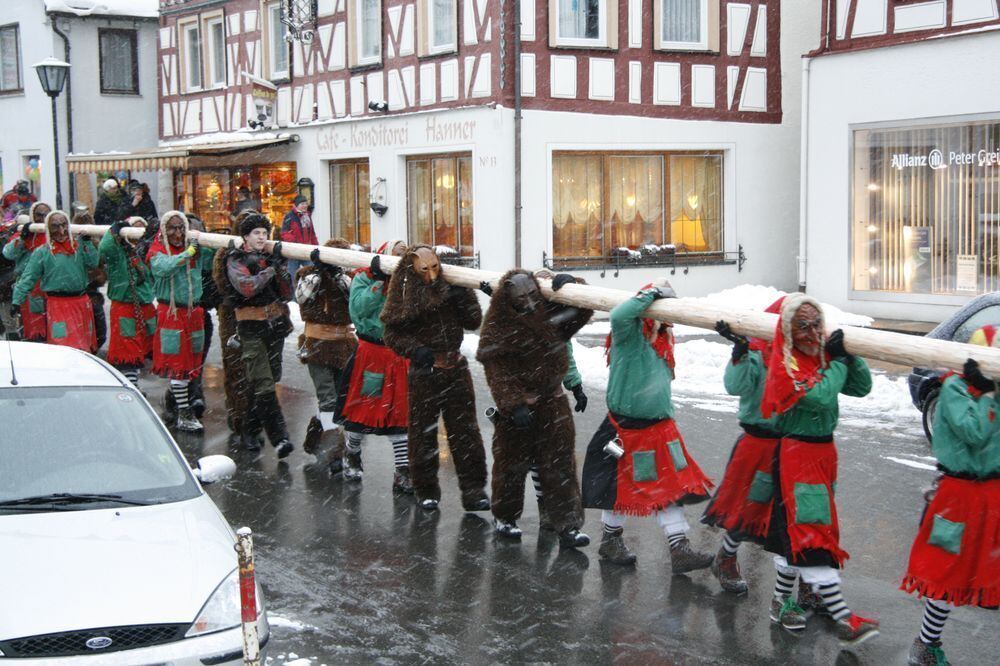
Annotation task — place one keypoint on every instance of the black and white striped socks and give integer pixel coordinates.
(676, 538)
(834, 600)
(179, 389)
(935, 615)
(353, 444)
(132, 374)
(400, 453)
(784, 582)
(729, 545)
(536, 481)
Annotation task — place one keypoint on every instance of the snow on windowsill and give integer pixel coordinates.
(136, 8)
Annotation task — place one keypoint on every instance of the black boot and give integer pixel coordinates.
(250, 430)
(169, 409)
(196, 394)
(274, 424)
(314, 433)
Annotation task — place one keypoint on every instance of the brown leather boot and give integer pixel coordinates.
(684, 558)
(314, 433)
(727, 569)
(613, 548)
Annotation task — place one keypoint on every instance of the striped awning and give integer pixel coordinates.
(166, 158)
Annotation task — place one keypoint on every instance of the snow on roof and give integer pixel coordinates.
(138, 8)
(225, 137)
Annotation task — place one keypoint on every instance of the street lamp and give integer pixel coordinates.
(52, 74)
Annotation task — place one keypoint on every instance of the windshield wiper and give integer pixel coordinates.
(63, 499)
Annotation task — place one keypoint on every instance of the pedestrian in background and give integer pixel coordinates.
(110, 201)
(297, 227)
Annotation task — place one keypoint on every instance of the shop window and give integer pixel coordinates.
(439, 193)
(583, 23)
(926, 209)
(191, 62)
(608, 204)
(686, 25)
(31, 167)
(350, 217)
(365, 32)
(277, 43)
(438, 27)
(216, 31)
(211, 194)
(118, 61)
(10, 59)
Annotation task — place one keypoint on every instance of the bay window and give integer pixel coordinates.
(439, 193)
(350, 217)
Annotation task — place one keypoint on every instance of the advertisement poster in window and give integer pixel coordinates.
(966, 269)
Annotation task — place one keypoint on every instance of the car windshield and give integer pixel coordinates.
(78, 446)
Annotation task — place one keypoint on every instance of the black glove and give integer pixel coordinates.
(486, 288)
(975, 377)
(423, 357)
(232, 244)
(663, 292)
(454, 291)
(522, 417)
(560, 280)
(152, 228)
(376, 269)
(314, 257)
(25, 230)
(116, 228)
(276, 251)
(15, 311)
(580, 397)
(741, 345)
(834, 347)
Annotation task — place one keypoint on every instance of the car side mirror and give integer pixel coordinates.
(214, 468)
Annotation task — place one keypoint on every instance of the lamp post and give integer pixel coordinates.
(52, 75)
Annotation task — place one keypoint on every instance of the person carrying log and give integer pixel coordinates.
(806, 373)
(259, 288)
(955, 558)
(60, 268)
(19, 249)
(742, 502)
(636, 463)
(425, 320)
(523, 351)
(372, 399)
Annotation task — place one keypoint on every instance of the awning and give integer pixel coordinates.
(167, 157)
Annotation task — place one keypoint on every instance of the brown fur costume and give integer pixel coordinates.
(436, 316)
(525, 359)
(329, 305)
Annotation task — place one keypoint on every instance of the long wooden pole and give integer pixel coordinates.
(868, 342)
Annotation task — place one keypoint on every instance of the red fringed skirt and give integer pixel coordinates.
(131, 340)
(33, 315)
(376, 394)
(71, 322)
(745, 495)
(179, 342)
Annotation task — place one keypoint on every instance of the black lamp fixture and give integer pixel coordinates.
(376, 199)
(307, 189)
(380, 107)
(52, 74)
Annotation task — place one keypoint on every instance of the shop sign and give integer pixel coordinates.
(436, 131)
(936, 159)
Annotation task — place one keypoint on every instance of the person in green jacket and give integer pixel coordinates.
(60, 267)
(955, 559)
(130, 289)
(18, 249)
(636, 463)
(806, 373)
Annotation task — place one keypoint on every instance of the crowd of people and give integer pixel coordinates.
(384, 355)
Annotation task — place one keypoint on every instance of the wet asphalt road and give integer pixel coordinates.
(354, 574)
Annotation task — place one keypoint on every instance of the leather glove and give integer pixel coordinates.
(376, 269)
(561, 280)
(25, 230)
(116, 228)
(314, 257)
(423, 357)
(834, 347)
(276, 251)
(522, 417)
(741, 345)
(232, 244)
(486, 288)
(663, 292)
(580, 397)
(975, 377)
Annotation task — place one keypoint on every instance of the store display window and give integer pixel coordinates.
(350, 216)
(439, 193)
(216, 194)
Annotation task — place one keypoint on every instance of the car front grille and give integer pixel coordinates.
(69, 643)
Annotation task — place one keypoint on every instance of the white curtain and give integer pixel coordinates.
(579, 19)
(444, 22)
(681, 20)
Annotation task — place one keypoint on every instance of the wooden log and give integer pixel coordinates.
(867, 342)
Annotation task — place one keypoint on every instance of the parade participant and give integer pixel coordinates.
(176, 264)
(60, 266)
(210, 298)
(16, 199)
(323, 292)
(97, 277)
(955, 559)
(8, 323)
(372, 398)
(742, 502)
(637, 463)
(259, 289)
(425, 319)
(130, 288)
(804, 378)
(19, 249)
(523, 351)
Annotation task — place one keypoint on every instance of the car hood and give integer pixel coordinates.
(69, 570)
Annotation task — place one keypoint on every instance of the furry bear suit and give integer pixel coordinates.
(425, 320)
(525, 358)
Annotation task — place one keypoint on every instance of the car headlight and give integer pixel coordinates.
(222, 610)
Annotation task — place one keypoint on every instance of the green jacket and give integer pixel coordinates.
(121, 273)
(966, 430)
(816, 413)
(15, 251)
(365, 305)
(58, 272)
(168, 271)
(573, 377)
(639, 380)
(746, 379)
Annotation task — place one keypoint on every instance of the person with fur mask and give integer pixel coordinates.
(425, 321)
(32, 315)
(806, 373)
(61, 268)
(523, 351)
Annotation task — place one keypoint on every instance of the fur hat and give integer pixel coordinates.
(254, 221)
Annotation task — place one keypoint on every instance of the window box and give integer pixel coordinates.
(686, 25)
(586, 24)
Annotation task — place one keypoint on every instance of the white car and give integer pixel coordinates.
(110, 551)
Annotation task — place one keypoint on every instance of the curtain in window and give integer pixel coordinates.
(218, 53)
(696, 203)
(343, 181)
(194, 57)
(419, 195)
(440, 202)
(580, 19)
(681, 20)
(465, 245)
(279, 47)
(577, 193)
(445, 205)
(444, 22)
(369, 28)
(116, 62)
(10, 75)
(635, 200)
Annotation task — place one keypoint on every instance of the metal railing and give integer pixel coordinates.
(682, 259)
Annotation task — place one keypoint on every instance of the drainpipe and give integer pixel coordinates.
(804, 177)
(517, 133)
(69, 104)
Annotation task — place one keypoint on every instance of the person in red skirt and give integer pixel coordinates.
(176, 264)
(60, 266)
(18, 250)
(636, 463)
(955, 559)
(372, 398)
(806, 373)
(742, 502)
(130, 288)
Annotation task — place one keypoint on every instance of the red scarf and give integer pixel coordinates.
(785, 385)
(66, 247)
(760, 344)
